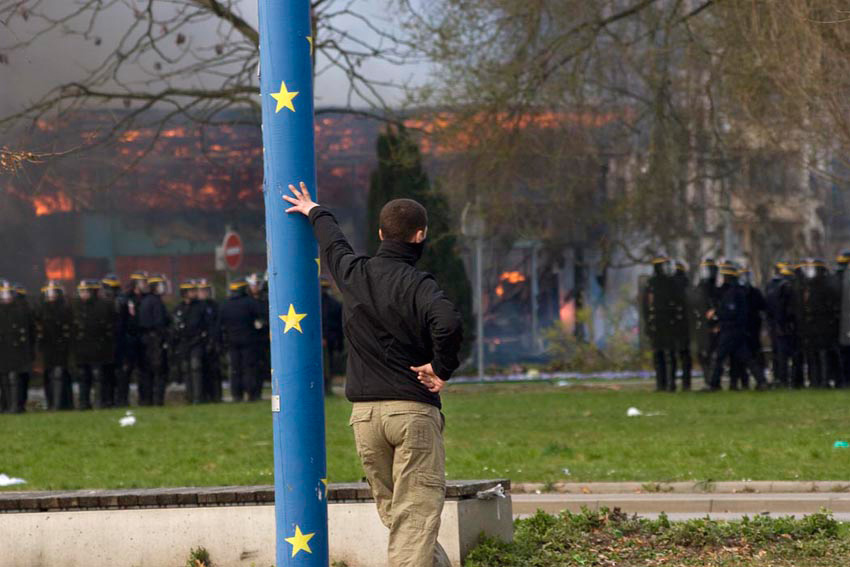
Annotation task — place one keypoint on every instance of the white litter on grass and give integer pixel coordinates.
(566, 472)
(6, 480)
(634, 412)
(128, 419)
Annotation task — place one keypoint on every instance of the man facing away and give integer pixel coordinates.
(404, 336)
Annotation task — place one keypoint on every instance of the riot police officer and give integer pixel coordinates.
(115, 387)
(22, 299)
(659, 313)
(816, 319)
(189, 336)
(681, 328)
(212, 342)
(17, 333)
(704, 300)
(842, 284)
(154, 323)
(55, 323)
(130, 352)
(258, 288)
(733, 323)
(241, 319)
(779, 306)
(93, 341)
(755, 307)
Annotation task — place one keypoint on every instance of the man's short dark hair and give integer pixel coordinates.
(402, 218)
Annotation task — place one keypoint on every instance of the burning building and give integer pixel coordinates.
(159, 198)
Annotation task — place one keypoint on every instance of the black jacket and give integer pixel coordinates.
(152, 315)
(190, 324)
(394, 317)
(238, 320)
(55, 329)
(17, 333)
(94, 331)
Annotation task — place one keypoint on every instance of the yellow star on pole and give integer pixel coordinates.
(292, 320)
(284, 98)
(299, 541)
(325, 482)
(319, 265)
(310, 39)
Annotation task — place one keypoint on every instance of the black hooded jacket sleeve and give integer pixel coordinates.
(394, 317)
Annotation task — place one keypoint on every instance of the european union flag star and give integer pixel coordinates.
(300, 541)
(284, 98)
(292, 320)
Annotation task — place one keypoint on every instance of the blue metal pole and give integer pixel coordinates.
(286, 89)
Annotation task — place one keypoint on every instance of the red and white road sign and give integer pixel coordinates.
(233, 250)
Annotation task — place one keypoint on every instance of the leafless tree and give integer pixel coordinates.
(193, 60)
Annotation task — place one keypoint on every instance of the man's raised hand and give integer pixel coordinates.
(301, 202)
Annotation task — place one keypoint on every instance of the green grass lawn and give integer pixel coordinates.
(525, 433)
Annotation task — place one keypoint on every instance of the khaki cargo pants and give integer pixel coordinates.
(401, 447)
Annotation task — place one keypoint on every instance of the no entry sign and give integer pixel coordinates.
(233, 250)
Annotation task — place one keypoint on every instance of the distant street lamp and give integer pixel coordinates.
(472, 226)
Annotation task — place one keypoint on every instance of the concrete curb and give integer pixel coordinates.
(704, 504)
(724, 487)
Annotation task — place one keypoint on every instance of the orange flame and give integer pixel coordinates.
(61, 268)
(49, 204)
(512, 277)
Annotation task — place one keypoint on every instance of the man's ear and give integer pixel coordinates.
(380, 234)
(420, 236)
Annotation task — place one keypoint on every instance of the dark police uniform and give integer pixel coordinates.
(659, 311)
(779, 305)
(704, 300)
(17, 334)
(190, 337)
(239, 320)
(681, 331)
(55, 323)
(93, 346)
(733, 341)
(153, 322)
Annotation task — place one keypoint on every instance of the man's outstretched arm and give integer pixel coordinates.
(336, 252)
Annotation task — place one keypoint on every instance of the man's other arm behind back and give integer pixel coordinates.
(445, 327)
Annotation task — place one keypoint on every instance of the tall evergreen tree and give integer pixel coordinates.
(400, 175)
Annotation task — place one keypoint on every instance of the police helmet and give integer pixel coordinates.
(661, 265)
(205, 288)
(158, 284)
(187, 286)
(139, 281)
(843, 259)
(20, 290)
(708, 269)
(52, 290)
(809, 268)
(238, 286)
(110, 281)
(7, 291)
(681, 267)
(88, 288)
(729, 271)
(255, 282)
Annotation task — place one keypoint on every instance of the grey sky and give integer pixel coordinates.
(57, 58)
